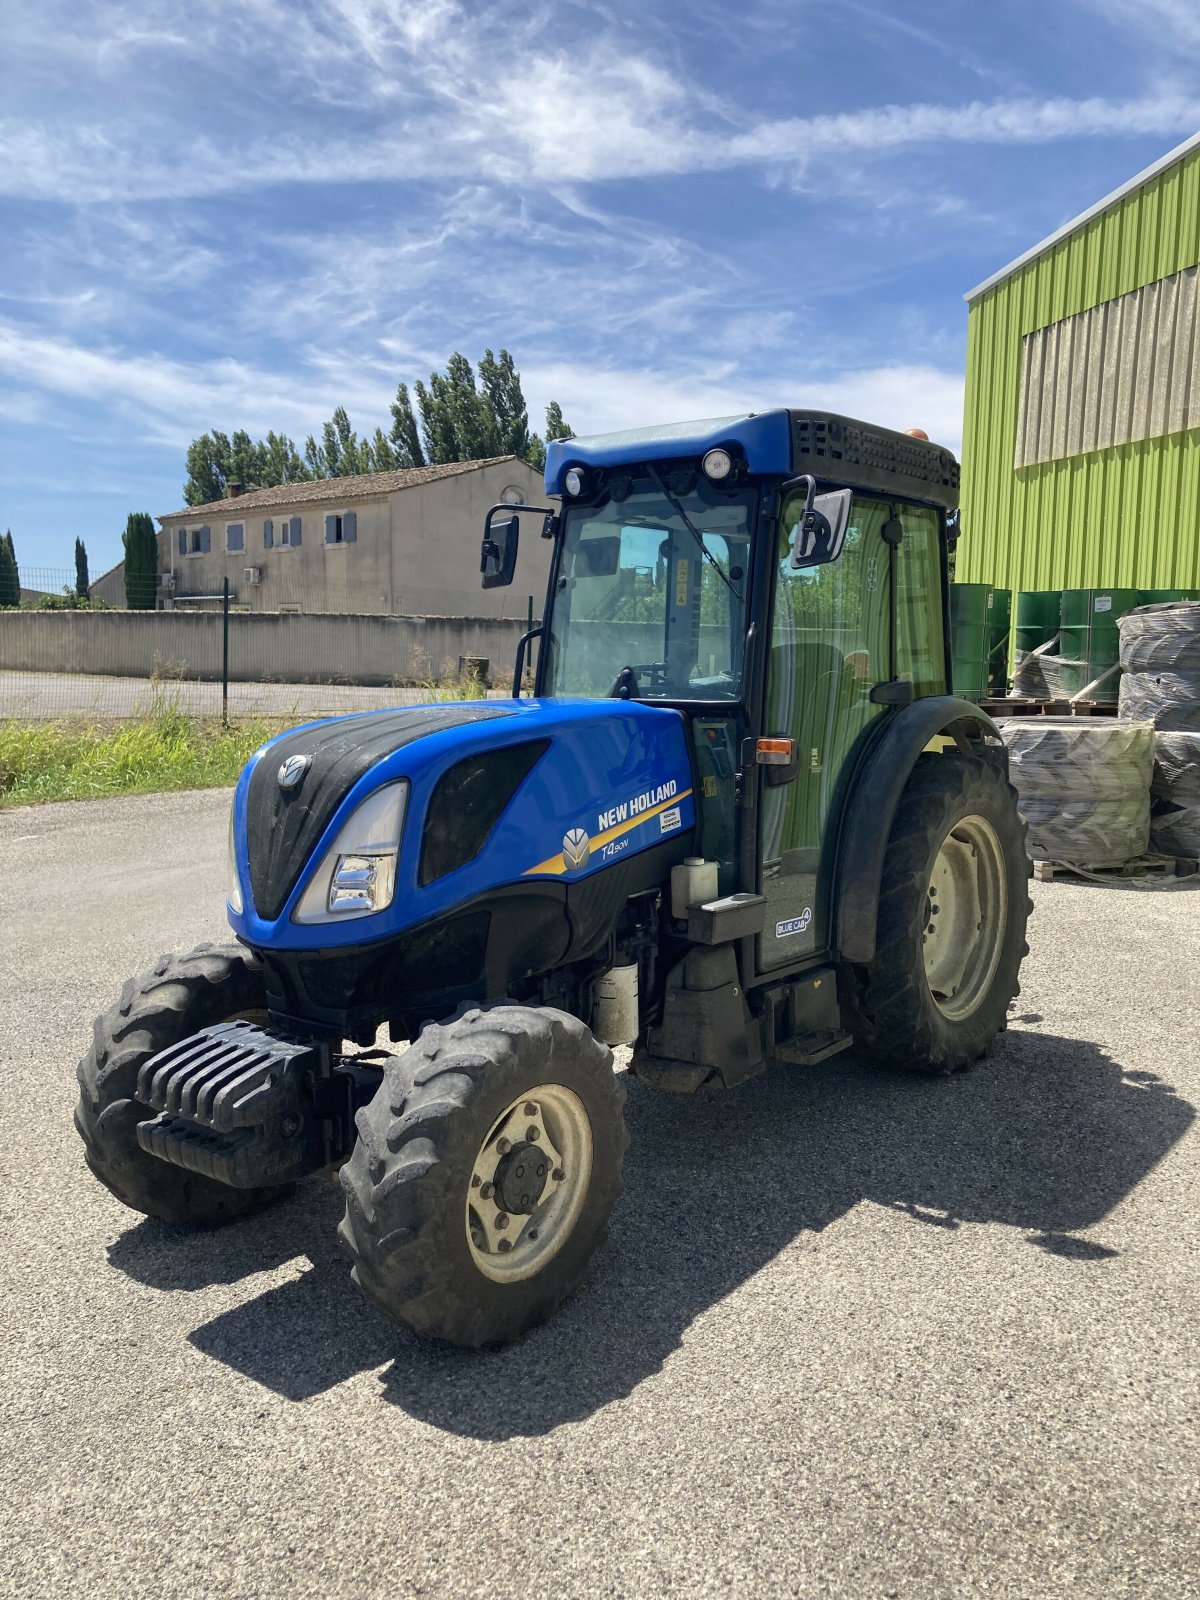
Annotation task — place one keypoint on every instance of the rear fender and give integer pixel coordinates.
(871, 808)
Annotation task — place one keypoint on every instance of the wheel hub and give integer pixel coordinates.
(964, 917)
(528, 1183)
(521, 1178)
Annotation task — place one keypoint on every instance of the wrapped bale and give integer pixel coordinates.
(1083, 787)
(1175, 818)
(1160, 658)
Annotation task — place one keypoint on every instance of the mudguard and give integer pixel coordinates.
(872, 808)
(598, 782)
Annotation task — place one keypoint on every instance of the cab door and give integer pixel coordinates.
(830, 643)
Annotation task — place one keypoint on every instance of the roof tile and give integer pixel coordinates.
(362, 486)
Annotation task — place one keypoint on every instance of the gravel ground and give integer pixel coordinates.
(851, 1336)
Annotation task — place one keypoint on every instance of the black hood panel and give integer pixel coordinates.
(283, 825)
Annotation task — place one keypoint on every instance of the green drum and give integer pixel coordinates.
(1091, 639)
(970, 638)
(1157, 597)
(1037, 617)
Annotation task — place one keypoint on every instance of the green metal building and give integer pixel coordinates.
(1081, 446)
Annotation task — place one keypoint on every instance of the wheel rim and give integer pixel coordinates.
(966, 913)
(528, 1183)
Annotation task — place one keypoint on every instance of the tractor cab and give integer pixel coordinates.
(780, 581)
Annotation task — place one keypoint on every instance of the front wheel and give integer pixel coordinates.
(485, 1171)
(951, 931)
(183, 994)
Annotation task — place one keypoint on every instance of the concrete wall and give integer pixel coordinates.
(262, 649)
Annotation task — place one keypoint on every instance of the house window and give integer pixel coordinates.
(285, 532)
(341, 527)
(235, 537)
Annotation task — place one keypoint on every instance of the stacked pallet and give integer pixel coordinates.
(1160, 660)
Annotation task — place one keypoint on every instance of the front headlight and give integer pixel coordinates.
(235, 883)
(357, 874)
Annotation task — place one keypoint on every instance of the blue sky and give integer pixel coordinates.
(241, 213)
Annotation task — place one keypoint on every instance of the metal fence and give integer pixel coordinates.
(217, 656)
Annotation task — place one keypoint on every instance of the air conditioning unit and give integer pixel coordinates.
(252, 574)
(166, 580)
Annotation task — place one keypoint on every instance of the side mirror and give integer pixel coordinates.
(821, 529)
(498, 555)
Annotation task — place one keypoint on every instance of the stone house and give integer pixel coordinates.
(396, 543)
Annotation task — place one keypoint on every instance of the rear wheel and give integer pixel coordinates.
(485, 1171)
(952, 911)
(209, 985)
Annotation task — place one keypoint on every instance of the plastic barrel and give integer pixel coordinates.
(1091, 639)
(971, 638)
(1037, 617)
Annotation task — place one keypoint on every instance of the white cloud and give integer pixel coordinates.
(601, 400)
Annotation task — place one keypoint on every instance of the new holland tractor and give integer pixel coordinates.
(739, 822)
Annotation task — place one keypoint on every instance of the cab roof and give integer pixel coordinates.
(838, 449)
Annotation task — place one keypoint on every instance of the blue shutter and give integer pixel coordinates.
(295, 530)
(235, 536)
(330, 530)
(350, 527)
(183, 541)
(268, 534)
(205, 539)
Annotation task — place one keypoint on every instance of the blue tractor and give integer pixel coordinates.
(740, 821)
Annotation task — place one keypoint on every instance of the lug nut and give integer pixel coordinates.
(530, 1109)
(487, 1191)
(505, 1245)
(558, 1174)
(532, 1135)
(503, 1146)
(502, 1220)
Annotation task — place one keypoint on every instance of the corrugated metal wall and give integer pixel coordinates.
(1126, 514)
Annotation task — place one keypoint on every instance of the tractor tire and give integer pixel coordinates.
(435, 1166)
(956, 826)
(211, 984)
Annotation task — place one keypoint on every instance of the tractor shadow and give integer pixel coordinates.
(1046, 1138)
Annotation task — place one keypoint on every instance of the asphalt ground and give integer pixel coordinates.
(39, 696)
(851, 1335)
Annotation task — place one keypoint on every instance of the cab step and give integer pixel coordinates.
(806, 1049)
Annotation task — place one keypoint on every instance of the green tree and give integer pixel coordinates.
(10, 578)
(141, 561)
(214, 461)
(406, 440)
(556, 428)
(81, 569)
(501, 385)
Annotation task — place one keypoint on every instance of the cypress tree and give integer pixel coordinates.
(10, 582)
(81, 569)
(141, 561)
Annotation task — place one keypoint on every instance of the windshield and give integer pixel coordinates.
(652, 591)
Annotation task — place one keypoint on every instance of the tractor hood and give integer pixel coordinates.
(496, 794)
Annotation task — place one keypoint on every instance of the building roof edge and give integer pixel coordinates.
(1172, 157)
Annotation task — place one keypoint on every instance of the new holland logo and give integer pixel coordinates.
(577, 846)
(292, 770)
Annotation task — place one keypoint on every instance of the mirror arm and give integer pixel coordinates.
(519, 664)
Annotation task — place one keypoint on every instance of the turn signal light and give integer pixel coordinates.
(775, 752)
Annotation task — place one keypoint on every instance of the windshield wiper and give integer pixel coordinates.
(688, 524)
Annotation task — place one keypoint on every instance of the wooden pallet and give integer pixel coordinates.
(1004, 707)
(1140, 866)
